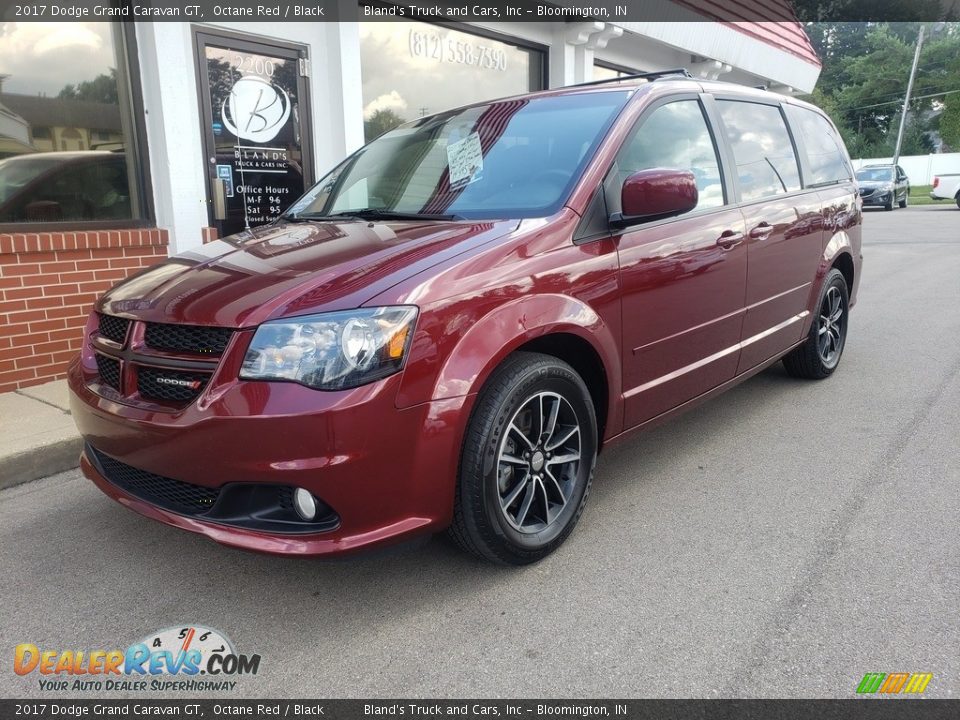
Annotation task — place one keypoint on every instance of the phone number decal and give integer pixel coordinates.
(437, 46)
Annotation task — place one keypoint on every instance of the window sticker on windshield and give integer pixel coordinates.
(465, 160)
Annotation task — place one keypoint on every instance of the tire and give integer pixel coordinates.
(906, 199)
(958, 201)
(889, 206)
(810, 360)
(490, 519)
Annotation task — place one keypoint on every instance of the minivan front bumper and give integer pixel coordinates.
(387, 473)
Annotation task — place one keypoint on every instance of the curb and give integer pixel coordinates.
(40, 462)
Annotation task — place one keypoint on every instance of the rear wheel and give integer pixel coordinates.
(527, 461)
(820, 354)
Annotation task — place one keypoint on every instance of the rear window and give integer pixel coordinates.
(825, 152)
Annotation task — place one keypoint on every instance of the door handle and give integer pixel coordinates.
(218, 191)
(761, 231)
(729, 238)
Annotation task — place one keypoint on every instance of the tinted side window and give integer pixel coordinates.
(825, 153)
(676, 136)
(766, 163)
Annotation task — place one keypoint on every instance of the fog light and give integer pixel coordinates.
(305, 504)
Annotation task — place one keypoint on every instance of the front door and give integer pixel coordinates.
(683, 280)
(255, 115)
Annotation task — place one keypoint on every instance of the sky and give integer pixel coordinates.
(43, 57)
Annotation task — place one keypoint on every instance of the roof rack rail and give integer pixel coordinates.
(657, 75)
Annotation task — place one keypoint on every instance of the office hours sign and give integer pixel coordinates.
(255, 130)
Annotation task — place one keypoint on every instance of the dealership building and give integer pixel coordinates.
(122, 143)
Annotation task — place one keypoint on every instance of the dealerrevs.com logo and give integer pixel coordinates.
(894, 683)
(190, 658)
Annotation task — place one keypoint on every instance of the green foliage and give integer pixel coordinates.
(864, 78)
(898, 11)
(102, 89)
(381, 121)
(950, 122)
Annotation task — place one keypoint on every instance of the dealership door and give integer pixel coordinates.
(255, 125)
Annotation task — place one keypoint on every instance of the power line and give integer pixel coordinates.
(897, 102)
(899, 93)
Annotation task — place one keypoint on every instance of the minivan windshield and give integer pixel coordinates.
(877, 174)
(513, 158)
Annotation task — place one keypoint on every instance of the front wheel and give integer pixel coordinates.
(906, 199)
(527, 461)
(820, 354)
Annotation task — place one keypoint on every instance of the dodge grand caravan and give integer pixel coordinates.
(446, 329)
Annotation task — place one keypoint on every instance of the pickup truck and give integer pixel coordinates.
(946, 187)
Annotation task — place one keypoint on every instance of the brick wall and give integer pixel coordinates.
(48, 283)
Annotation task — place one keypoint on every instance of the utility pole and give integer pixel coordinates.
(906, 99)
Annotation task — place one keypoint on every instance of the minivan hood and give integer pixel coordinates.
(290, 269)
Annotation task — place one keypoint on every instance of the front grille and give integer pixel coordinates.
(109, 370)
(170, 385)
(864, 192)
(113, 328)
(166, 492)
(194, 339)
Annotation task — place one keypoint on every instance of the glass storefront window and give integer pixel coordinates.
(67, 152)
(604, 72)
(412, 69)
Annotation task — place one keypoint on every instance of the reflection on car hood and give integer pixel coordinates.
(292, 269)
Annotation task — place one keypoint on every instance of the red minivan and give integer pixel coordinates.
(445, 330)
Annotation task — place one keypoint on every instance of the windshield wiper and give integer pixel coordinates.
(385, 214)
(311, 217)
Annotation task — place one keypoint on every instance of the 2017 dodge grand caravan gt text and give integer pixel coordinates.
(444, 331)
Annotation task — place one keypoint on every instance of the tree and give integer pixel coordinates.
(102, 89)
(950, 122)
(890, 10)
(380, 122)
(864, 78)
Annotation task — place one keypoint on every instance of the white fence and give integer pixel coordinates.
(921, 169)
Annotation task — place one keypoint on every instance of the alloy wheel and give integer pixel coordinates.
(831, 331)
(538, 462)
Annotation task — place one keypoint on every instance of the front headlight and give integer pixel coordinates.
(332, 351)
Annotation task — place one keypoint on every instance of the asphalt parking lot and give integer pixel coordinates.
(781, 540)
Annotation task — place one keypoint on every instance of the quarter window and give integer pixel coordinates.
(825, 154)
(762, 150)
(676, 136)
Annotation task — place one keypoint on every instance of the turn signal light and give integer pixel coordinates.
(397, 343)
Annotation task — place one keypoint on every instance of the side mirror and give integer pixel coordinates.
(656, 193)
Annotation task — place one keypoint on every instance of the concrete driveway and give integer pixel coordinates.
(782, 540)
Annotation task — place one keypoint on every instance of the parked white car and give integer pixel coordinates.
(946, 187)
